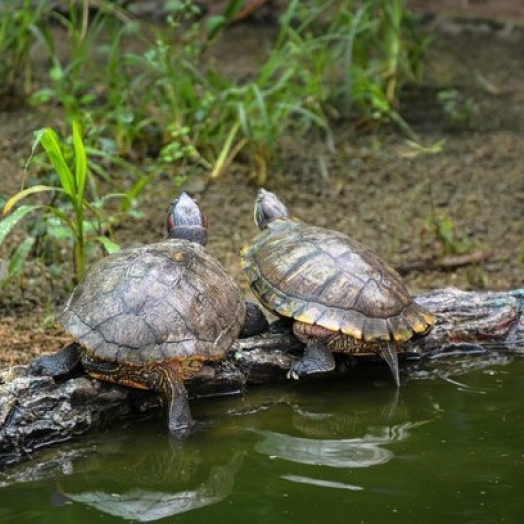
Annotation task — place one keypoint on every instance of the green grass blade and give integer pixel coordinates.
(66, 220)
(80, 161)
(49, 140)
(109, 245)
(24, 193)
(6, 224)
(19, 256)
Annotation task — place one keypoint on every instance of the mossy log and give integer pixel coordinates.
(36, 412)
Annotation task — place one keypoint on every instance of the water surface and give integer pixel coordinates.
(441, 450)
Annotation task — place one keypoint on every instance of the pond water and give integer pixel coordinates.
(441, 450)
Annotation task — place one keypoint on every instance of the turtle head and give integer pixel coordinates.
(185, 220)
(268, 208)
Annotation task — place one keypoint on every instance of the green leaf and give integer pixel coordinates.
(214, 24)
(109, 245)
(19, 256)
(42, 96)
(9, 222)
(51, 143)
(58, 213)
(26, 192)
(80, 161)
(232, 8)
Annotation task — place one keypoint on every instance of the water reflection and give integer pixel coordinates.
(138, 475)
(360, 452)
(355, 438)
(141, 475)
(146, 505)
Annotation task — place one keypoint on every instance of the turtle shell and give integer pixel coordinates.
(323, 277)
(170, 300)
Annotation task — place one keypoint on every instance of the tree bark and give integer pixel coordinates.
(36, 412)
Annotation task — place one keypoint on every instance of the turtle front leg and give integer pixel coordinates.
(255, 323)
(317, 358)
(61, 364)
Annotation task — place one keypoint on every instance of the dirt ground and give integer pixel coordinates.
(366, 187)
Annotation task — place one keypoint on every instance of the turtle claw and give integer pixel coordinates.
(291, 374)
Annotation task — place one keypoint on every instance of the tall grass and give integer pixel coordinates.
(70, 165)
(167, 106)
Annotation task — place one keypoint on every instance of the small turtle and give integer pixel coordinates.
(340, 294)
(149, 317)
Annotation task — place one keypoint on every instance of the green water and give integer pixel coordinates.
(442, 451)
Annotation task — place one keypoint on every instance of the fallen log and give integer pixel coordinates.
(447, 262)
(36, 412)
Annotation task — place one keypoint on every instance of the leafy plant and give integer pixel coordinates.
(378, 48)
(328, 59)
(77, 221)
(71, 78)
(456, 107)
(446, 234)
(18, 23)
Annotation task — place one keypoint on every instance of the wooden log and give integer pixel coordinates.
(36, 412)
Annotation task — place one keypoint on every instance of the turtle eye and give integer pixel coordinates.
(204, 219)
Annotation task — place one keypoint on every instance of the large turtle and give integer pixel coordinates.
(340, 294)
(149, 317)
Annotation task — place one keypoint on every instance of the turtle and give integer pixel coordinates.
(149, 317)
(340, 295)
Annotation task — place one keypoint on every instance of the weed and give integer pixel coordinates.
(71, 79)
(417, 149)
(446, 234)
(187, 112)
(457, 108)
(80, 221)
(378, 49)
(18, 23)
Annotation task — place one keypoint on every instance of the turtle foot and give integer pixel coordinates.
(317, 359)
(63, 363)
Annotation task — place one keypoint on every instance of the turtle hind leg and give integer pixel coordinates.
(388, 352)
(171, 386)
(64, 363)
(317, 358)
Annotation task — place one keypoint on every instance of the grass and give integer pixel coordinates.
(19, 22)
(75, 220)
(167, 108)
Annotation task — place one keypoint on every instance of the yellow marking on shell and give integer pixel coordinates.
(418, 324)
(352, 331)
(402, 336)
(243, 252)
(354, 327)
(376, 329)
(179, 256)
(399, 329)
(428, 317)
(330, 323)
(305, 317)
(374, 338)
(189, 368)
